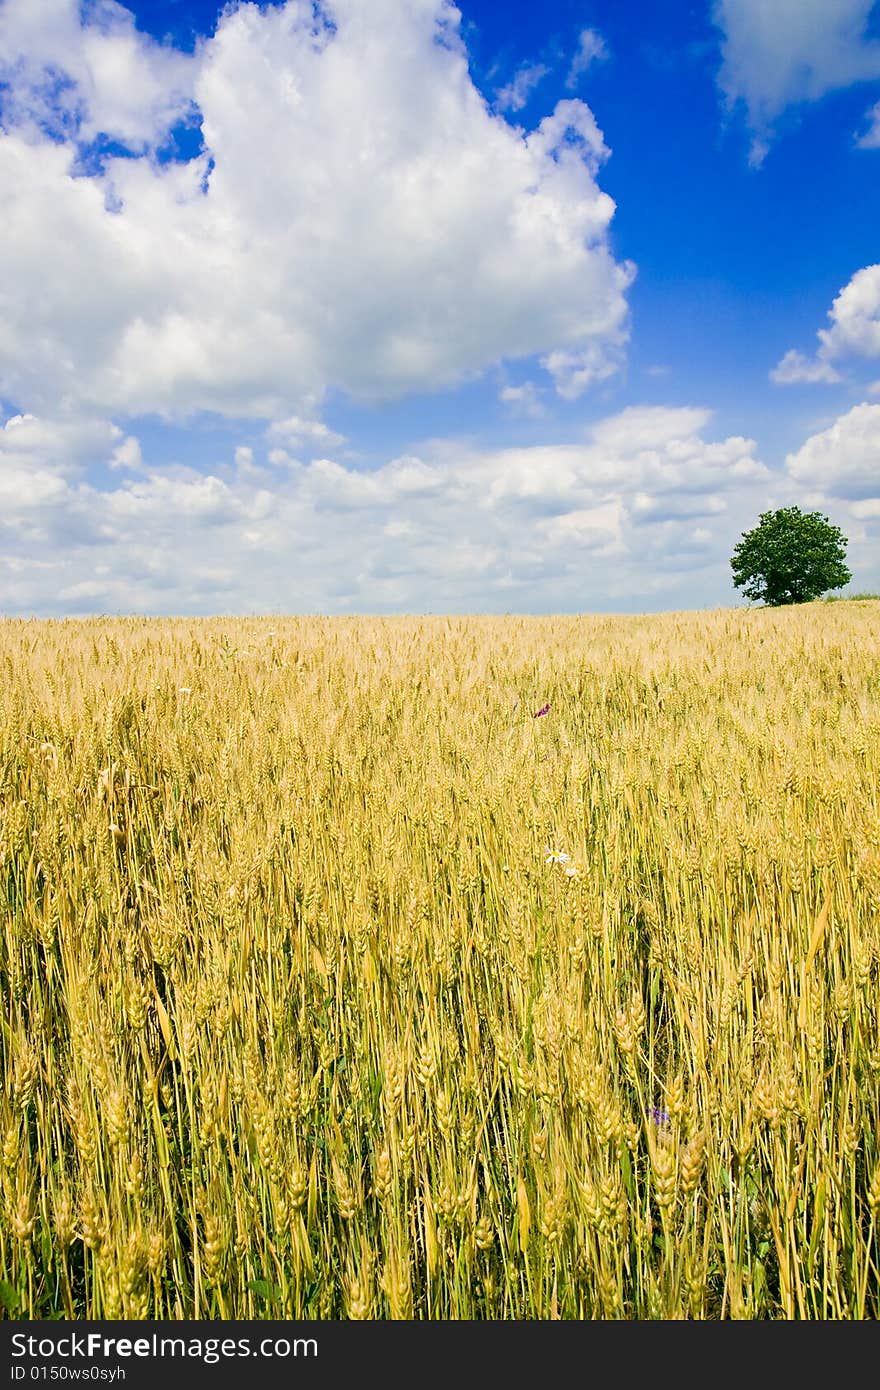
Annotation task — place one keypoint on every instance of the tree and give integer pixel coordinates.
(790, 557)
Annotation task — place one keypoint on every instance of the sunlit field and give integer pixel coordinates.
(441, 968)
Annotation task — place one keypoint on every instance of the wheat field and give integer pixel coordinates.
(441, 968)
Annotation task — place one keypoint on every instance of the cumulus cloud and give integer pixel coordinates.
(127, 454)
(36, 459)
(867, 510)
(795, 367)
(838, 470)
(574, 371)
(524, 399)
(870, 138)
(517, 92)
(625, 515)
(778, 55)
(591, 49)
(77, 81)
(855, 318)
(294, 432)
(843, 460)
(63, 445)
(854, 331)
(359, 219)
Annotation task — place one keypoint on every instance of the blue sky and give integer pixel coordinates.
(404, 307)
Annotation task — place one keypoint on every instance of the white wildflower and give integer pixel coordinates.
(556, 856)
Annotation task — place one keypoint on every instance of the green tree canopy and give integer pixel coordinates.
(790, 557)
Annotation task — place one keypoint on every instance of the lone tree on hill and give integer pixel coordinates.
(790, 557)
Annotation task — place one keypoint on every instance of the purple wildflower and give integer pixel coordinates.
(660, 1117)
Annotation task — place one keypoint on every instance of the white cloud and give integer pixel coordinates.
(59, 444)
(649, 426)
(524, 399)
(791, 51)
(867, 510)
(591, 49)
(127, 454)
(573, 372)
(368, 225)
(646, 507)
(294, 432)
(870, 138)
(518, 91)
(837, 470)
(597, 527)
(183, 496)
(100, 78)
(38, 456)
(854, 331)
(28, 490)
(795, 367)
(280, 458)
(855, 318)
(564, 526)
(843, 460)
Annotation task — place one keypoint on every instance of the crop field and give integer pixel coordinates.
(434, 968)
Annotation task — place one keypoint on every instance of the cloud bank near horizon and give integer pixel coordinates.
(646, 503)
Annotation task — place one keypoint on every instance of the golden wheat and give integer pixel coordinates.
(337, 981)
